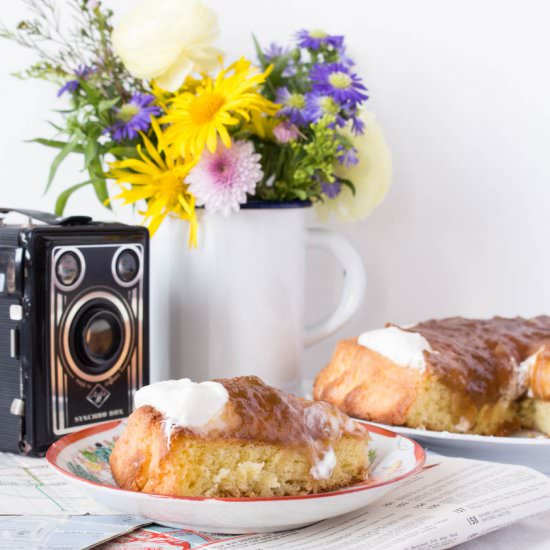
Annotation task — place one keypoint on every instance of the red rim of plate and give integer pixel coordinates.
(67, 440)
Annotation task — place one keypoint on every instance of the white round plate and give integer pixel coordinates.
(525, 448)
(82, 458)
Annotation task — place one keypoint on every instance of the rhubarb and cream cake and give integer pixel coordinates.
(488, 376)
(236, 437)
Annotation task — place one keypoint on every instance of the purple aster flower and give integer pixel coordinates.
(290, 69)
(315, 39)
(81, 73)
(222, 180)
(351, 112)
(274, 50)
(347, 156)
(344, 58)
(318, 105)
(133, 117)
(336, 80)
(331, 189)
(357, 125)
(285, 131)
(69, 86)
(293, 105)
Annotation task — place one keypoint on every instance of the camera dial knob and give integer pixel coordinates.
(17, 407)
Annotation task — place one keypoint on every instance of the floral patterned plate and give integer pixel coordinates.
(82, 458)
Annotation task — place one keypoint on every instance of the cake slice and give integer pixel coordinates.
(456, 374)
(535, 408)
(236, 438)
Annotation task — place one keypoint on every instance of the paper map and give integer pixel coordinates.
(30, 486)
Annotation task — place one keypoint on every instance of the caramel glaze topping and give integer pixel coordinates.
(260, 412)
(480, 357)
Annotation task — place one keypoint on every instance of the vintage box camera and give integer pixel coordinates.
(73, 326)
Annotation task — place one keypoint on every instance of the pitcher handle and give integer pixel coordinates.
(355, 283)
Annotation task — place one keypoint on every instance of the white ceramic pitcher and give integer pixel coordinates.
(235, 305)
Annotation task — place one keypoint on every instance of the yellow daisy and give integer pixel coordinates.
(163, 96)
(198, 116)
(158, 178)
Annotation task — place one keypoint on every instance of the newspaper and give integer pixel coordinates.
(452, 502)
(62, 533)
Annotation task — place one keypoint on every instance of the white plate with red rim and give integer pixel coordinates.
(525, 448)
(82, 458)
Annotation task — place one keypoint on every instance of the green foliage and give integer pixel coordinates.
(69, 147)
(43, 70)
(83, 126)
(316, 158)
(63, 197)
(296, 170)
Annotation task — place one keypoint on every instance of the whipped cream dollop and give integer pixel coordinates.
(323, 468)
(400, 346)
(183, 402)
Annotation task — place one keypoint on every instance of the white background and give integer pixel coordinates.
(462, 90)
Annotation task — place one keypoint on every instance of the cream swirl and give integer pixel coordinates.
(184, 403)
(400, 346)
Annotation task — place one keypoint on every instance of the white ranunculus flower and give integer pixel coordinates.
(167, 40)
(371, 176)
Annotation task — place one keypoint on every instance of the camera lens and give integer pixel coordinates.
(101, 336)
(97, 335)
(67, 268)
(97, 338)
(127, 266)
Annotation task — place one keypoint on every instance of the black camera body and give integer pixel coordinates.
(73, 326)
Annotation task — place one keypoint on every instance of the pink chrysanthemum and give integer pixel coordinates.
(221, 180)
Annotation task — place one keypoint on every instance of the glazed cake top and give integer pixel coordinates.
(482, 357)
(259, 411)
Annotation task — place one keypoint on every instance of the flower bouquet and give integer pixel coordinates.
(154, 109)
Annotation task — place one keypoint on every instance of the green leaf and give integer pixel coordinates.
(56, 144)
(100, 188)
(90, 152)
(55, 126)
(93, 130)
(61, 156)
(121, 151)
(259, 52)
(106, 104)
(62, 199)
(348, 183)
(93, 93)
(65, 111)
